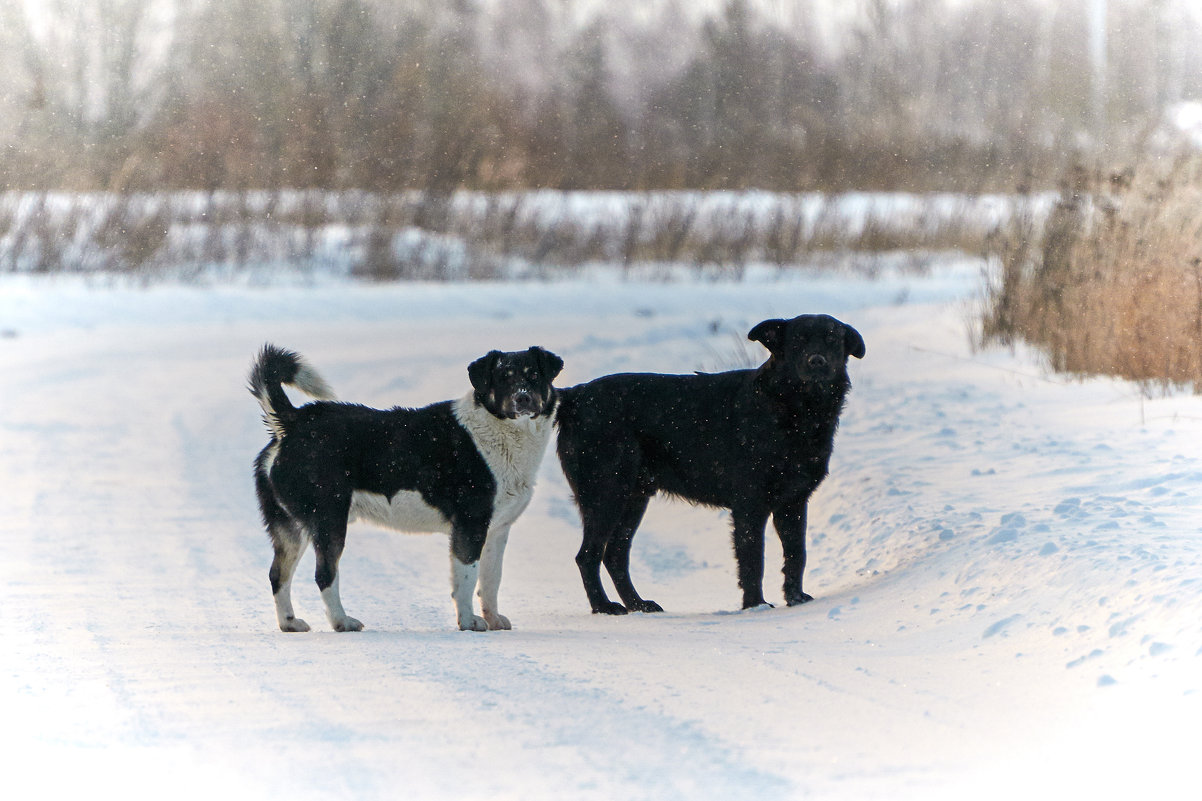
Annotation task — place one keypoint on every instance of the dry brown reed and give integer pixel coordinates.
(1112, 284)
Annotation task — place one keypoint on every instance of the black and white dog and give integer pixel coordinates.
(466, 467)
(757, 442)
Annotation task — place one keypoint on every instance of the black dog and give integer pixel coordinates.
(465, 467)
(757, 442)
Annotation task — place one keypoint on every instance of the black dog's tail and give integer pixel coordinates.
(275, 367)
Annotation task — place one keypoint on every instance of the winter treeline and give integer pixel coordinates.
(382, 95)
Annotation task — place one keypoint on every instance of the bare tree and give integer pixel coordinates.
(430, 94)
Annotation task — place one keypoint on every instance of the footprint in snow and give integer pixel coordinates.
(1069, 507)
(999, 626)
(1094, 654)
(1008, 529)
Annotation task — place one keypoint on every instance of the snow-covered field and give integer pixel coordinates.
(311, 235)
(1007, 567)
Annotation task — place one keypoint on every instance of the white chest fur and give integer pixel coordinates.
(513, 450)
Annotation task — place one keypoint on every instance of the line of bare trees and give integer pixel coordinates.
(134, 95)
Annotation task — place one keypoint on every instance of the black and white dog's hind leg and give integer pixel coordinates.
(288, 541)
(329, 539)
(289, 544)
(289, 537)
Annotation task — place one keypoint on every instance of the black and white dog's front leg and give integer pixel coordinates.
(490, 577)
(467, 542)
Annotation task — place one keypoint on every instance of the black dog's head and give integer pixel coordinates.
(809, 350)
(511, 385)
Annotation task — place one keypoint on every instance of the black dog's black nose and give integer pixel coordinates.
(817, 361)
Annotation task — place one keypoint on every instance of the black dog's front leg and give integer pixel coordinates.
(749, 554)
(790, 523)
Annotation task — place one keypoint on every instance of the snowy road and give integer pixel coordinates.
(1007, 567)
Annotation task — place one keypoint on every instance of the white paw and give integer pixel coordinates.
(348, 624)
(497, 622)
(473, 623)
(293, 624)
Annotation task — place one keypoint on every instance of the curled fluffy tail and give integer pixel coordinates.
(275, 367)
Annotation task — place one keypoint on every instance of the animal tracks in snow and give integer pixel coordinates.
(1042, 512)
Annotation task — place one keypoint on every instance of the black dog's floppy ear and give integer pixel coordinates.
(548, 362)
(479, 371)
(770, 334)
(853, 341)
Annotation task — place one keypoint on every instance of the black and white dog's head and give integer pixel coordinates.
(511, 385)
(809, 350)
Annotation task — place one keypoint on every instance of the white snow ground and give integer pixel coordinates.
(1007, 567)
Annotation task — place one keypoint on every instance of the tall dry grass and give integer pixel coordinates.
(1112, 283)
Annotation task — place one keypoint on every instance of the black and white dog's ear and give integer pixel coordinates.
(479, 372)
(547, 362)
(770, 334)
(853, 342)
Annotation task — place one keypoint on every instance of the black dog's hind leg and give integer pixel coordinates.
(790, 524)
(617, 555)
(598, 529)
(329, 539)
(604, 485)
(749, 554)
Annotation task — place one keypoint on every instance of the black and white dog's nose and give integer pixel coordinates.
(817, 361)
(523, 401)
